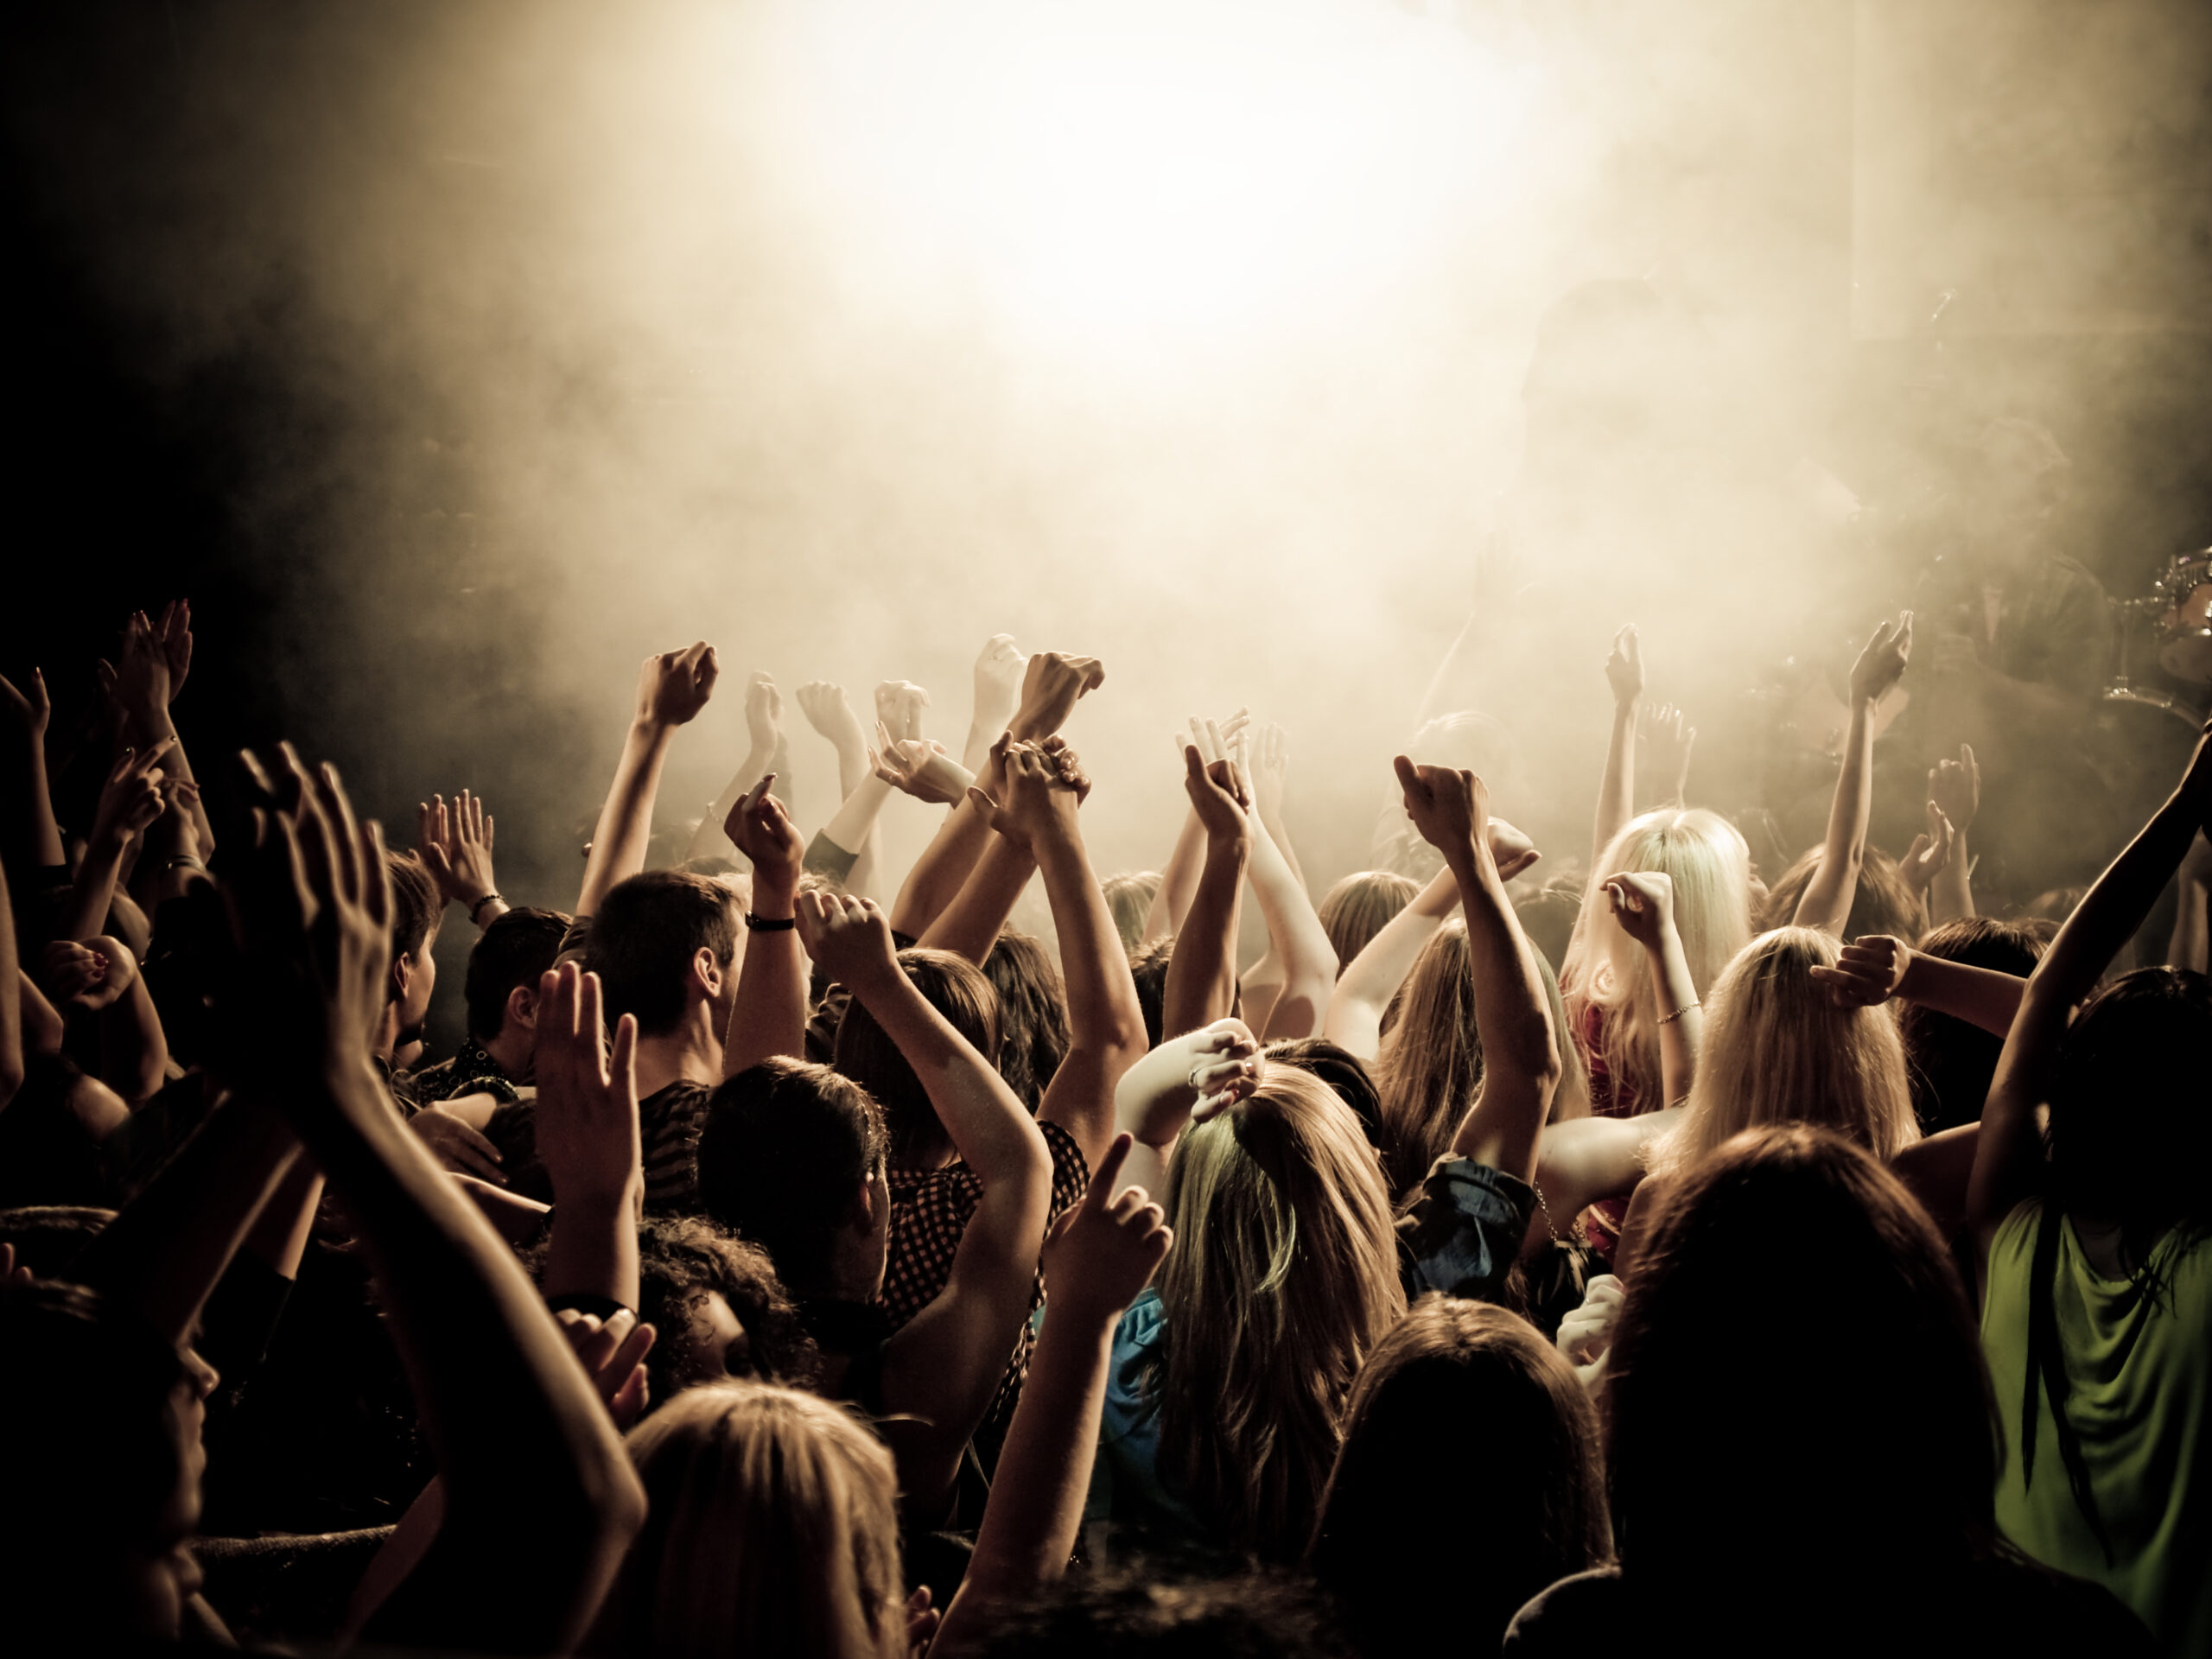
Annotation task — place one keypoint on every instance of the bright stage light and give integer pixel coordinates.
(1146, 173)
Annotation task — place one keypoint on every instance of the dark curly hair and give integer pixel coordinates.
(682, 1260)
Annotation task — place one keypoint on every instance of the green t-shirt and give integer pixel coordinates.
(2140, 1374)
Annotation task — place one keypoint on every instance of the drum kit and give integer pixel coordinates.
(2178, 610)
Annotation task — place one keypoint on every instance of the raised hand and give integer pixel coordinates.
(1868, 973)
(764, 832)
(1667, 743)
(1955, 789)
(1226, 1066)
(1511, 850)
(827, 710)
(1051, 683)
(1931, 852)
(1625, 667)
(172, 637)
(999, 669)
(850, 939)
(313, 902)
(899, 705)
(1643, 904)
(140, 684)
(919, 768)
(1268, 762)
(90, 975)
(586, 1099)
(613, 1353)
(1100, 1254)
(763, 713)
(28, 714)
(1451, 808)
(131, 797)
(454, 842)
(1881, 663)
(1039, 802)
(1217, 795)
(674, 686)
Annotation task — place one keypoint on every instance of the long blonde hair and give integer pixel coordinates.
(1705, 857)
(773, 1527)
(1778, 1050)
(1283, 1275)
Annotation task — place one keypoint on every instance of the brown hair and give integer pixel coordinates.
(1432, 1059)
(1355, 910)
(1883, 902)
(957, 989)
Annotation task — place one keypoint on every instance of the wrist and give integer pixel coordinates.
(593, 1197)
(775, 896)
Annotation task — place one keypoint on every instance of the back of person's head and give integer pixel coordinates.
(1033, 1014)
(47, 1236)
(1454, 1373)
(1129, 901)
(1549, 916)
(1817, 1413)
(1432, 1059)
(513, 953)
(1882, 902)
(1149, 968)
(2131, 1129)
(1707, 859)
(50, 1142)
(415, 905)
(1149, 1608)
(646, 937)
(719, 1307)
(1779, 1050)
(1354, 911)
(1949, 1063)
(1343, 1070)
(784, 1153)
(957, 989)
(97, 1459)
(1283, 1274)
(772, 1527)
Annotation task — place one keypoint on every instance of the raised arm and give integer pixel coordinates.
(129, 801)
(2008, 1159)
(1100, 1256)
(588, 1137)
(769, 1015)
(156, 657)
(970, 925)
(999, 674)
(1268, 755)
(1106, 1033)
(11, 1004)
(2191, 945)
(1521, 1059)
(1643, 904)
(830, 713)
(941, 1369)
(1827, 902)
(34, 839)
(1616, 788)
(1872, 969)
(763, 730)
(1155, 1097)
(101, 974)
(1202, 973)
(672, 688)
(540, 1497)
(1954, 791)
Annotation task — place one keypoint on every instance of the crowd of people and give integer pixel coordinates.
(797, 1258)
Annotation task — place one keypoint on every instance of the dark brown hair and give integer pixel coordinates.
(957, 989)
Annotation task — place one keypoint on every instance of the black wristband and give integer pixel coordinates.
(480, 903)
(763, 924)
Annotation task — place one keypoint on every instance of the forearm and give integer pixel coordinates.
(1950, 895)
(1520, 1062)
(970, 925)
(1616, 788)
(1297, 941)
(593, 1250)
(625, 821)
(769, 1015)
(1684, 1020)
(11, 1004)
(1371, 979)
(34, 837)
(1106, 1033)
(989, 1128)
(144, 731)
(1980, 996)
(1279, 833)
(1044, 1473)
(942, 870)
(850, 825)
(1827, 902)
(1202, 973)
(976, 753)
(1179, 882)
(93, 892)
(134, 1052)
